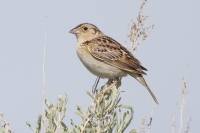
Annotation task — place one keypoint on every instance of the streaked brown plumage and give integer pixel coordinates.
(105, 57)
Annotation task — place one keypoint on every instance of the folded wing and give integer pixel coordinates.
(108, 50)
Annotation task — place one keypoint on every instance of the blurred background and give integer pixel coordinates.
(173, 44)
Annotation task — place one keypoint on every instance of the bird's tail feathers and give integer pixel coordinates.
(140, 79)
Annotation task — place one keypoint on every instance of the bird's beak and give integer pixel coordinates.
(74, 31)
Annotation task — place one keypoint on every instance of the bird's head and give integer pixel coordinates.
(85, 32)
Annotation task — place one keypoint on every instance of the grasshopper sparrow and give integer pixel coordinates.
(105, 57)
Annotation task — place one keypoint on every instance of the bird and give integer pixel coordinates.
(105, 57)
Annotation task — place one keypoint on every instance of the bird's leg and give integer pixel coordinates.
(119, 82)
(94, 87)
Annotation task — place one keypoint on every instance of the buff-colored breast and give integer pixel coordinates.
(98, 67)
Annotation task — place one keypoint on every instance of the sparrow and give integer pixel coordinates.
(105, 57)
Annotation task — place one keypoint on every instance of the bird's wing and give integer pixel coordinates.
(108, 50)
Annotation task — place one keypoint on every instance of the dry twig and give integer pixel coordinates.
(183, 101)
(138, 32)
(173, 119)
(143, 125)
(151, 117)
(86, 122)
(3, 119)
(188, 126)
(44, 81)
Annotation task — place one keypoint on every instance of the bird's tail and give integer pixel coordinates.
(140, 78)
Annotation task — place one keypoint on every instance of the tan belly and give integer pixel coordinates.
(97, 67)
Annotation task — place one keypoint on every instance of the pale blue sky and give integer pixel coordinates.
(172, 45)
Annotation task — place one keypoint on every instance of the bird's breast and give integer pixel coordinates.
(98, 67)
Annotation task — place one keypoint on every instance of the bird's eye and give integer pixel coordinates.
(85, 28)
